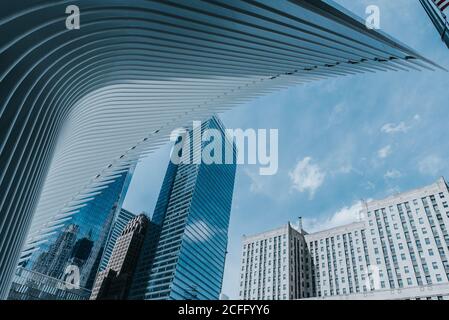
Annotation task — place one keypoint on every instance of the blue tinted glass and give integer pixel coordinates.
(184, 258)
(78, 243)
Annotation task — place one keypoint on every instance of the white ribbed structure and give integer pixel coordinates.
(79, 106)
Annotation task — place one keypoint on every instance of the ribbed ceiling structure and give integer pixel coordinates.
(79, 106)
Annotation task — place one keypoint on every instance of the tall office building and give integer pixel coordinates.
(123, 217)
(398, 250)
(275, 266)
(65, 130)
(77, 242)
(184, 256)
(437, 11)
(113, 282)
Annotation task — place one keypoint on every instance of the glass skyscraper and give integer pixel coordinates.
(184, 256)
(75, 249)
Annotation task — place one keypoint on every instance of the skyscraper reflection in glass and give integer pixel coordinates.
(75, 249)
(184, 258)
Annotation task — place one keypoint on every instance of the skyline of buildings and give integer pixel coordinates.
(398, 250)
(80, 108)
(74, 114)
(381, 256)
(191, 220)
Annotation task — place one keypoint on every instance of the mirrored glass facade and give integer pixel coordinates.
(184, 258)
(71, 257)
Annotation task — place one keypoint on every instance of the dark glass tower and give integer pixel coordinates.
(77, 244)
(184, 257)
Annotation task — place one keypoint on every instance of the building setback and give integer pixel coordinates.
(398, 250)
(114, 281)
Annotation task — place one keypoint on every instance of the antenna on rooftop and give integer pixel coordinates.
(300, 224)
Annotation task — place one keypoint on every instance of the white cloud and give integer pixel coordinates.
(392, 174)
(401, 127)
(343, 216)
(368, 185)
(393, 191)
(384, 152)
(257, 184)
(337, 114)
(263, 185)
(431, 165)
(343, 169)
(395, 128)
(307, 176)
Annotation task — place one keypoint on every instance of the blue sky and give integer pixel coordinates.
(340, 141)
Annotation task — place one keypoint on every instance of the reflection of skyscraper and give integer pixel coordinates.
(114, 281)
(183, 258)
(53, 261)
(79, 242)
(122, 219)
(82, 250)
